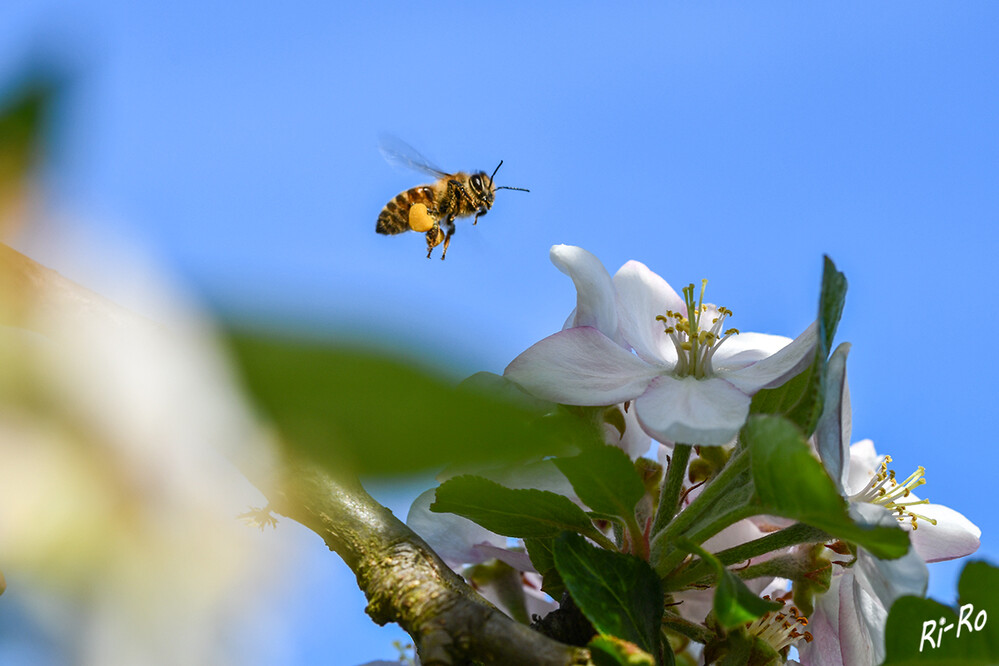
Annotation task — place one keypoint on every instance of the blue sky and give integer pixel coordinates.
(721, 140)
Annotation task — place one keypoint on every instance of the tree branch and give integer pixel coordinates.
(406, 582)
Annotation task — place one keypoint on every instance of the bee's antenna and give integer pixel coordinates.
(494, 173)
(521, 189)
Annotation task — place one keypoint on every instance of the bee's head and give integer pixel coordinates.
(482, 188)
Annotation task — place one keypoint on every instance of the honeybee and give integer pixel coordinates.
(432, 208)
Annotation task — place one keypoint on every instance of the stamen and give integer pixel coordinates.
(781, 628)
(885, 491)
(696, 345)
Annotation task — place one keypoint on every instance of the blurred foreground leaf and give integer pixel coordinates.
(922, 631)
(24, 111)
(368, 412)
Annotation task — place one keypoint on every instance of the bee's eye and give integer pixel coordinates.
(476, 182)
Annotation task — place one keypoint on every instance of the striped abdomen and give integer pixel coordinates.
(394, 218)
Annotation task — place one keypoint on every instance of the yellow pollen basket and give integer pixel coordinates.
(419, 218)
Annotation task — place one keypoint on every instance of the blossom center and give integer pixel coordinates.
(696, 334)
(781, 628)
(884, 490)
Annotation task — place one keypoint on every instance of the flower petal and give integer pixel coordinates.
(581, 366)
(953, 535)
(777, 369)
(864, 460)
(743, 349)
(708, 412)
(839, 635)
(596, 304)
(642, 296)
(457, 540)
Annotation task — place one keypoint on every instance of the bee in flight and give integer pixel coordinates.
(433, 208)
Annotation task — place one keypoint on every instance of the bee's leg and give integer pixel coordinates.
(434, 238)
(447, 238)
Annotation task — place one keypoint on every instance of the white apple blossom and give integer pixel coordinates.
(691, 380)
(848, 621)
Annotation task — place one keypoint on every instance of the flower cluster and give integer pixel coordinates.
(724, 523)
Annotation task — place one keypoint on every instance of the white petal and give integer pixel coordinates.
(832, 433)
(742, 349)
(642, 296)
(517, 559)
(839, 636)
(864, 461)
(777, 369)
(581, 366)
(596, 304)
(890, 579)
(452, 537)
(708, 412)
(953, 535)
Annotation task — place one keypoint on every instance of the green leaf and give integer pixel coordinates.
(368, 412)
(611, 651)
(801, 398)
(525, 513)
(543, 559)
(734, 603)
(620, 594)
(22, 120)
(605, 480)
(790, 482)
(913, 630)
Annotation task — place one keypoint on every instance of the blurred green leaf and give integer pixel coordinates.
(522, 512)
(620, 594)
(371, 413)
(801, 398)
(605, 479)
(22, 117)
(922, 631)
(790, 482)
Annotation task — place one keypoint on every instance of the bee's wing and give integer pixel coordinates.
(399, 153)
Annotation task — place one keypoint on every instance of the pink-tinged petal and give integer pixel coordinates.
(708, 412)
(953, 536)
(457, 540)
(596, 303)
(642, 296)
(839, 635)
(736, 534)
(832, 434)
(777, 369)
(581, 366)
(743, 349)
(517, 559)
